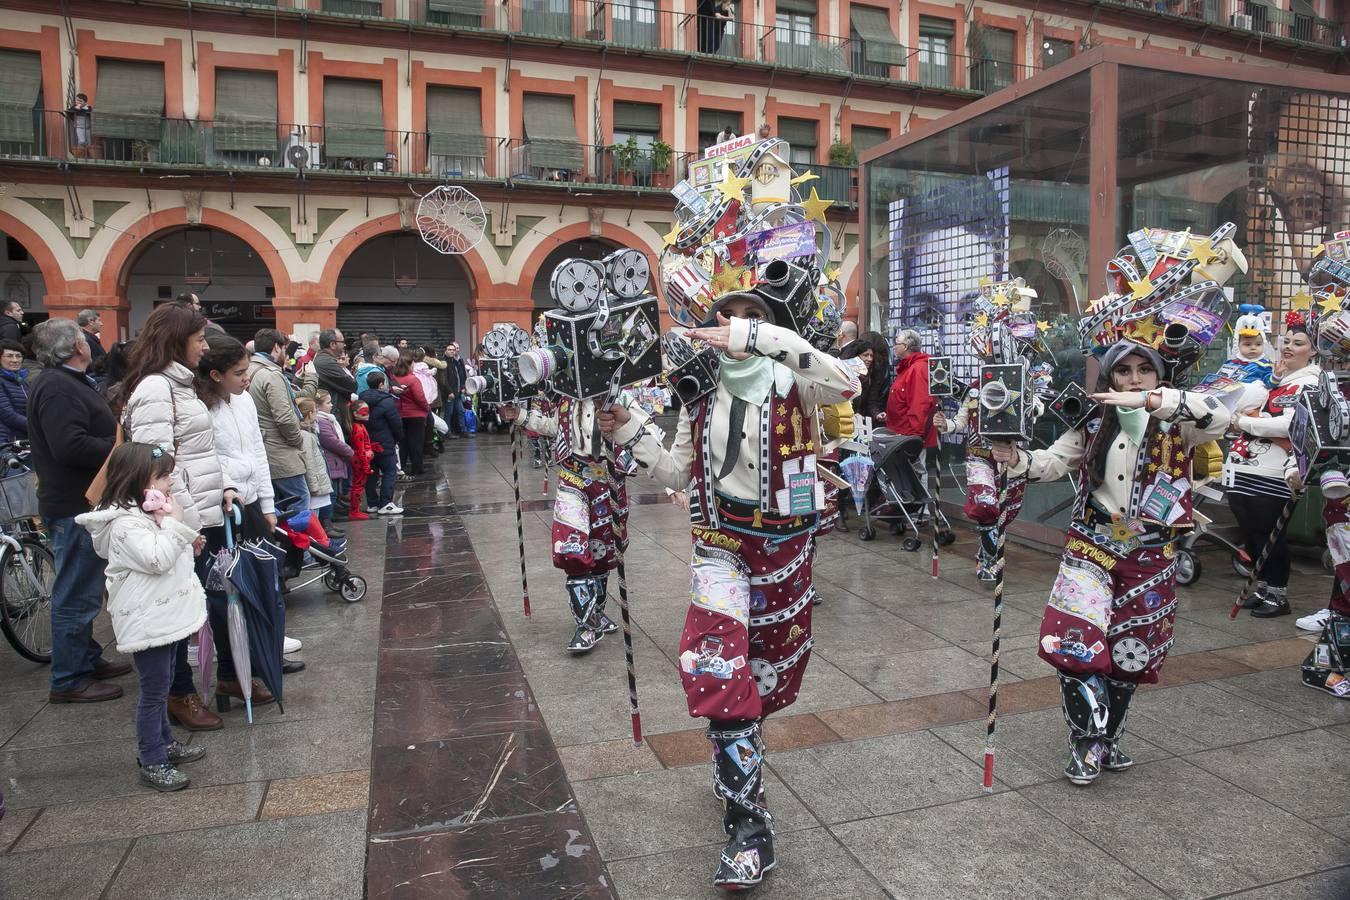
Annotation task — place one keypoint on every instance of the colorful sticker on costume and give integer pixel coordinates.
(569, 547)
(1338, 542)
(1072, 645)
(1322, 656)
(709, 661)
(758, 601)
(1152, 600)
(1338, 684)
(744, 755)
(715, 586)
(1080, 591)
(569, 508)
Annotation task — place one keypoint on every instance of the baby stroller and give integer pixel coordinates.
(1206, 470)
(302, 535)
(897, 494)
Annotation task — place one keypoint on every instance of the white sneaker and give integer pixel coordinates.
(1314, 622)
(390, 509)
(290, 645)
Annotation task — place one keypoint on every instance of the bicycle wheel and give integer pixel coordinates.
(26, 579)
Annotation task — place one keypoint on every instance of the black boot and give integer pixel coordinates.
(1275, 604)
(1119, 694)
(605, 625)
(986, 552)
(738, 766)
(1087, 712)
(582, 593)
(1325, 667)
(1257, 596)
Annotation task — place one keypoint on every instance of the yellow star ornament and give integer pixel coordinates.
(981, 320)
(673, 235)
(732, 186)
(1300, 301)
(1141, 288)
(730, 278)
(803, 178)
(1202, 251)
(815, 207)
(1329, 304)
(1145, 330)
(1042, 326)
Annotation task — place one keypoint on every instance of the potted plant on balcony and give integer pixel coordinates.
(625, 160)
(662, 156)
(842, 154)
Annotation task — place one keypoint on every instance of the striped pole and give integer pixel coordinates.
(999, 541)
(520, 524)
(1274, 539)
(934, 486)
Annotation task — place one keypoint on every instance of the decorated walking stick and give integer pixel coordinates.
(1000, 538)
(520, 524)
(934, 485)
(1274, 538)
(633, 711)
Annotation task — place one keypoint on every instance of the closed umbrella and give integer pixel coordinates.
(254, 578)
(858, 470)
(206, 657)
(234, 615)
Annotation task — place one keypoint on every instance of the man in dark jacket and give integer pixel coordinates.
(72, 432)
(910, 408)
(386, 430)
(455, 377)
(91, 323)
(334, 377)
(11, 322)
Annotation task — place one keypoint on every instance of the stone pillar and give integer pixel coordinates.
(114, 309)
(304, 308)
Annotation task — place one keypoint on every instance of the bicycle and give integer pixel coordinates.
(27, 565)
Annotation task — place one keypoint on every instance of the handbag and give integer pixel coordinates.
(441, 426)
(94, 492)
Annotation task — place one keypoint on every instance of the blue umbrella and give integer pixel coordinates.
(255, 585)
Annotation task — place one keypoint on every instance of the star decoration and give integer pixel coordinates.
(803, 178)
(1042, 326)
(673, 235)
(1001, 298)
(1329, 304)
(1141, 288)
(810, 445)
(1300, 301)
(1202, 251)
(780, 428)
(732, 186)
(981, 320)
(730, 278)
(1145, 330)
(782, 409)
(783, 449)
(832, 273)
(815, 207)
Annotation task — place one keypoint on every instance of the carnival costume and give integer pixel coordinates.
(1108, 622)
(590, 511)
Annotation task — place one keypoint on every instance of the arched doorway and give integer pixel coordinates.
(583, 248)
(395, 286)
(21, 279)
(232, 281)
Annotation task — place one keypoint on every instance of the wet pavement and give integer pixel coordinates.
(440, 744)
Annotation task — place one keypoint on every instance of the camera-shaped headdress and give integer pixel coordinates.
(1323, 306)
(498, 380)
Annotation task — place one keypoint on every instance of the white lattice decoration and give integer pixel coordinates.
(451, 220)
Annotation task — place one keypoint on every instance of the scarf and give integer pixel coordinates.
(747, 379)
(1133, 422)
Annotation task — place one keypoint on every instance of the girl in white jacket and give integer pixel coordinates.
(154, 597)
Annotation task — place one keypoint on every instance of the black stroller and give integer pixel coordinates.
(328, 561)
(897, 494)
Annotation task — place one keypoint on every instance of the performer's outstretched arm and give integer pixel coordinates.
(671, 468)
(823, 378)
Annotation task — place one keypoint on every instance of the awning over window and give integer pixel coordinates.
(129, 101)
(20, 88)
(874, 28)
(551, 131)
(455, 121)
(353, 118)
(246, 110)
(798, 132)
(643, 118)
(472, 8)
(1302, 8)
(931, 25)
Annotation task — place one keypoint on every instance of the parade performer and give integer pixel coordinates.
(590, 507)
(1108, 622)
(1254, 470)
(746, 453)
(1001, 317)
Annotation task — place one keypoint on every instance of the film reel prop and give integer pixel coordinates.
(498, 380)
(605, 333)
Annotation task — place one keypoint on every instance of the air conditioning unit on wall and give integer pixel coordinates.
(1241, 20)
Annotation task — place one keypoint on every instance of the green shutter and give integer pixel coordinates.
(937, 27)
(551, 131)
(714, 120)
(879, 43)
(865, 138)
(20, 87)
(353, 118)
(456, 7)
(455, 121)
(129, 102)
(802, 7)
(643, 118)
(799, 132)
(246, 110)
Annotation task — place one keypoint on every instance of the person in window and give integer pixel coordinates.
(80, 115)
(713, 16)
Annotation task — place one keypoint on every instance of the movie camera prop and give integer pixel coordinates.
(1074, 406)
(940, 380)
(498, 380)
(1004, 402)
(605, 333)
(691, 366)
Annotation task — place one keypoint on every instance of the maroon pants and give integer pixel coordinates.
(588, 527)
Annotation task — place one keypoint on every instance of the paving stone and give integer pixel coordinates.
(620, 811)
(859, 779)
(280, 749)
(1283, 690)
(17, 710)
(963, 620)
(992, 847)
(1271, 654)
(877, 719)
(1182, 827)
(67, 873)
(316, 794)
(409, 711)
(314, 856)
(811, 865)
(1200, 717)
(918, 672)
(607, 759)
(1333, 885)
(142, 814)
(13, 825)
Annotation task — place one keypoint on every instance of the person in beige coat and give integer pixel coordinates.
(279, 422)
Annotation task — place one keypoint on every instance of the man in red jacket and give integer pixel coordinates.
(910, 408)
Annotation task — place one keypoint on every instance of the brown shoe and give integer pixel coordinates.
(261, 695)
(91, 692)
(188, 712)
(103, 669)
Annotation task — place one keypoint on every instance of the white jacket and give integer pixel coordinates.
(1262, 448)
(154, 597)
(165, 410)
(239, 447)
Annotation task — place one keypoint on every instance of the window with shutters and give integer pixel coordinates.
(802, 136)
(866, 137)
(714, 122)
(547, 17)
(372, 8)
(245, 129)
(991, 59)
(353, 123)
(459, 13)
(633, 23)
(128, 116)
(873, 46)
(21, 120)
(455, 141)
(935, 51)
(794, 38)
(1054, 51)
(551, 149)
(635, 124)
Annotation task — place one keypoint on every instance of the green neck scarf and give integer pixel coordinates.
(748, 379)
(1133, 422)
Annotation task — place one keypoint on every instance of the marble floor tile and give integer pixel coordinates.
(65, 873)
(918, 672)
(409, 711)
(1200, 717)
